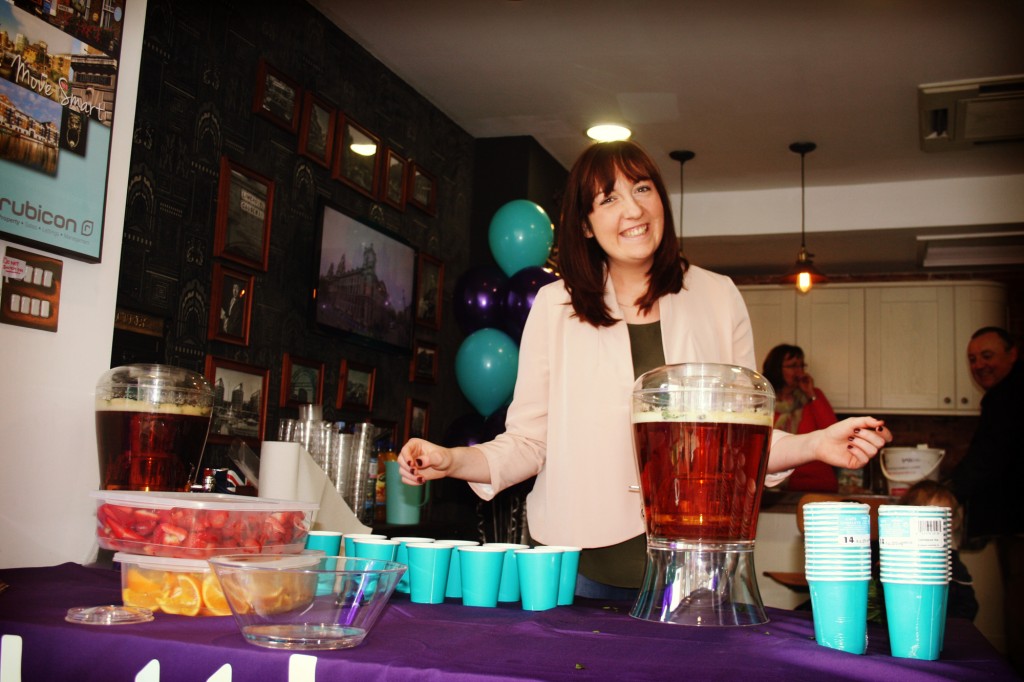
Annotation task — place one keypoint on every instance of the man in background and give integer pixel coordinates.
(989, 479)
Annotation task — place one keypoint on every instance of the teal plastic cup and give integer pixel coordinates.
(454, 588)
(428, 571)
(328, 542)
(402, 557)
(916, 616)
(509, 589)
(349, 539)
(481, 567)
(840, 611)
(567, 574)
(539, 576)
(376, 548)
(403, 502)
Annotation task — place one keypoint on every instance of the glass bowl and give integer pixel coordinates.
(305, 602)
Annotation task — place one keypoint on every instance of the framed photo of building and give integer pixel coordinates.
(245, 205)
(395, 183)
(365, 282)
(429, 287)
(417, 418)
(302, 381)
(357, 157)
(422, 189)
(277, 97)
(423, 366)
(355, 386)
(230, 306)
(239, 401)
(316, 133)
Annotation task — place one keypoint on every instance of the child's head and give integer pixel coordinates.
(931, 494)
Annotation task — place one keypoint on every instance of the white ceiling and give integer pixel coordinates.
(735, 81)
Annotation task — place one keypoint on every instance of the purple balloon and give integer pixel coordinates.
(519, 296)
(465, 430)
(478, 298)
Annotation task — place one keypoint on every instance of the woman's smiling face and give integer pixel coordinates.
(628, 221)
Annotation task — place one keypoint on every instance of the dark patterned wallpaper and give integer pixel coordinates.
(198, 78)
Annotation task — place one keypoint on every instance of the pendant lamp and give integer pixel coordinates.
(803, 273)
(682, 156)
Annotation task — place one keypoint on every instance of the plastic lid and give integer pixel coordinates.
(168, 500)
(108, 615)
(162, 563)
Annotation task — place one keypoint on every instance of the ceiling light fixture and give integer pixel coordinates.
(682, 156)
(804, 274)
(608, 132)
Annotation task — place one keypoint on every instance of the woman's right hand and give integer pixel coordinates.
(421, 461)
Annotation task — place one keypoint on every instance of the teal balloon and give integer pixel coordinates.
(485, 367)
(520, 236)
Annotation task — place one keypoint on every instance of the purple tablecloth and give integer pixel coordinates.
(591, 640)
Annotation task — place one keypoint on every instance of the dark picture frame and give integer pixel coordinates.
(429, 287)
(365, 281)
(316, 134)
(395, 184)
(277, 97)
(302, 381)
(357, 169)
(417, 418)
(239, 402)
(245, 206)
(423, 368)
(422, 191)
(231, 295)
(355, 386)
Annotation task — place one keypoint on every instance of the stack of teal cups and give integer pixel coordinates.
(837, 556)
(915, 554)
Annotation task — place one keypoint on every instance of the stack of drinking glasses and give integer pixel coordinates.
(837, 552)
(915, 552)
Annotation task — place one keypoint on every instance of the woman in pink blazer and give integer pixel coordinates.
(627, 303)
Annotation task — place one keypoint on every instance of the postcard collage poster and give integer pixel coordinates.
(58, 77)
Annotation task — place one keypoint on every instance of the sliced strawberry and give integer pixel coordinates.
(169, 534)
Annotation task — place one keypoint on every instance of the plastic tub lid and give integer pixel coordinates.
(162, 563)
(168, 500)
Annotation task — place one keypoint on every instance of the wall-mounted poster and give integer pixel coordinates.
(58, 78)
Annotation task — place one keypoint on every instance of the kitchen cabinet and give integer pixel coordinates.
(895, 347)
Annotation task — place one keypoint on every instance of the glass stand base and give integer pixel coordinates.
(700, 584)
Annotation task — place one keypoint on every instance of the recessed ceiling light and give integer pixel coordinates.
(609, 132)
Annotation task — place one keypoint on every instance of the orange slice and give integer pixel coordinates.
(181, 595)
(145, 600)
(213, 596)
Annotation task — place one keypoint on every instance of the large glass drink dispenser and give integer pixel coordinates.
(701, 437)
(151, 427)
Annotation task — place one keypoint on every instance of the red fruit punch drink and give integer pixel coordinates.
(149, 447)
(699, 474)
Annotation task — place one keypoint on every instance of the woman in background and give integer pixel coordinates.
(800, 408)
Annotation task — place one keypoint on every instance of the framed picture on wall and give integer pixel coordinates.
(239, 401)
(277, 97)
(422, 189)
(230, 306)
(357, 157)
(395, 182)
(355, 386)
(365, 282)
(302, 381)
(423, 366)
(417, 418)
(429, 286)
(245, 204)
(316, 134)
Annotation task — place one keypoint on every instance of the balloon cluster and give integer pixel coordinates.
(491, 306)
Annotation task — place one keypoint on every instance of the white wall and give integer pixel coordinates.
(48, 462)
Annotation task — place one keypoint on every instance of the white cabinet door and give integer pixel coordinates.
(909, 348)
(977, 305)
(772, 316)
(830, 329)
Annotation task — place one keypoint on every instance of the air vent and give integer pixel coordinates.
(965, 114)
